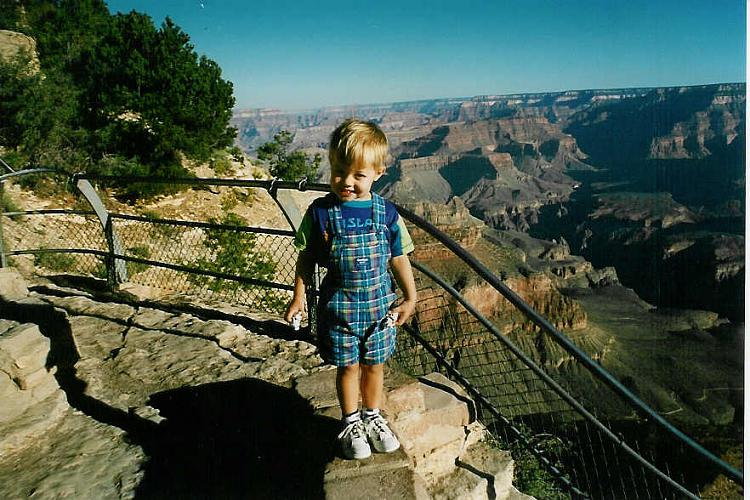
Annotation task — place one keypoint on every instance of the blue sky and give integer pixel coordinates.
(305, 54)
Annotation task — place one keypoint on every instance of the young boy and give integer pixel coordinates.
(355, 234)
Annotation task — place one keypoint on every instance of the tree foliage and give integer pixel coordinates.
(285, 164)
(115, 93)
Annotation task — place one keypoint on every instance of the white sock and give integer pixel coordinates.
(370, 412)
(351, 418)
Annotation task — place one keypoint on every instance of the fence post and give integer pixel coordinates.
(3, 259)
(113, 242)
(312, 306)
(110, 260)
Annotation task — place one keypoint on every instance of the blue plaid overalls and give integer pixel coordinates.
(356, 293)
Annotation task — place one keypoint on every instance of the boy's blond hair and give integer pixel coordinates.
(357, 142)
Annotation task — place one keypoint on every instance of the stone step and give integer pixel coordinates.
(379, 476)
(481, 471)
(433, 430)
(23, 350)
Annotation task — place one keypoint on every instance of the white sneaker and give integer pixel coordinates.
(354, 441)
(381, 436)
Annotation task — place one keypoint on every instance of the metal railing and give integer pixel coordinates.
(535, 389)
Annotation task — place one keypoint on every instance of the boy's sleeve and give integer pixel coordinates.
(304, 234)
(401, 242)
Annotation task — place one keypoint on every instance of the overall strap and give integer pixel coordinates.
(335, 218)
(378, 212)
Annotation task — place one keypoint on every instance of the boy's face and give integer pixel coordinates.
(353, 182)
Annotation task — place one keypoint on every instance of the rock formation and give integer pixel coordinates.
(14, 44)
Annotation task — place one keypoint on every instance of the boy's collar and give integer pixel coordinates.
(351, 204)
(357, 203)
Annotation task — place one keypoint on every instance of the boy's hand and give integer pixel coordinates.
(295, 306)
(405, 311)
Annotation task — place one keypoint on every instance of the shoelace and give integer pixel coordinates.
(354, 430)
(381, 425)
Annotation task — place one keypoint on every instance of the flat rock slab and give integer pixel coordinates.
(149, 361)
(395, 484)
(81, 458)
(377, 463)
(88, 307)
(319, 389)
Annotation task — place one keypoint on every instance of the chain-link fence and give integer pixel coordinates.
(219, 258)
(234, 263)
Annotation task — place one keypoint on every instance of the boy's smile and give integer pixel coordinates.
(353, 182)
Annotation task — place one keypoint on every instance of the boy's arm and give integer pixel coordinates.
(405, 279)
(303, 273)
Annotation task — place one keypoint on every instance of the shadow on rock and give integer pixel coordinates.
(238, 439)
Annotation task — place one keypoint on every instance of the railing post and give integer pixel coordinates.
(113, 242)
(3, 258)
(312, 306)
(110, 260)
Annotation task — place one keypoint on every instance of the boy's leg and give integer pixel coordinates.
(380, 435)
(347, 388)
(372, 385)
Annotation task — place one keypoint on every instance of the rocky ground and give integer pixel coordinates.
(111, 400)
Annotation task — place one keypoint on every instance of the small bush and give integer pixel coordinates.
(235, 253)
(129, 191)
(228, 201)
(7, 204)
(285, 164)
(100, 270)
(246, 196)
(168, 231)
(236, 154)
(532, 478)
(55, 261)
(221, 164)
(150, 214)
(43, 185)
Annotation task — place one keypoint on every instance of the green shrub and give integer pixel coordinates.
(169, 231)
(7, 204)
(228, 201)
(150, 214)
(246, 196)
(285, 164)
(236, 154)
(234, 253)
(55, 261)
(221, 164)
(100, 269)
(532, 478)
(129, 191)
